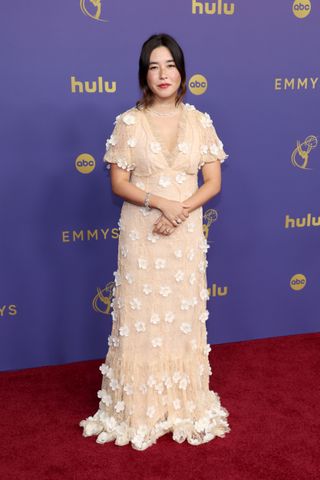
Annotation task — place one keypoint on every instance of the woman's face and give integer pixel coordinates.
(163, 77)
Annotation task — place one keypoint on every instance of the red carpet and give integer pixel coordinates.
(269, 386)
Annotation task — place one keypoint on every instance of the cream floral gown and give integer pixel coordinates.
(155, 378)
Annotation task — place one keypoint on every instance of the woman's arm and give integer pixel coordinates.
(211, 173)
(122, 187)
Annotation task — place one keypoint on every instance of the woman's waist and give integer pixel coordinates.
(169, 181)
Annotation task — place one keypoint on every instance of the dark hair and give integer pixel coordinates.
(158, 40)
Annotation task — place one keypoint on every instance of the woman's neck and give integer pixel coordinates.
(164, 105)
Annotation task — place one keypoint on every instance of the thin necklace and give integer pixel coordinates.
(163, 114)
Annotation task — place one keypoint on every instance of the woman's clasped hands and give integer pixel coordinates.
(173, 214)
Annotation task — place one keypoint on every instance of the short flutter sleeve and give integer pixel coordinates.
(119, 144)
(211, 147)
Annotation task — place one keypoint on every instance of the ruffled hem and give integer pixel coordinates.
(195, 430)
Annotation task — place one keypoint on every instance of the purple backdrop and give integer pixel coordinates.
(59, 226)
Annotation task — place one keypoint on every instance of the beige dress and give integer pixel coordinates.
(155, 378)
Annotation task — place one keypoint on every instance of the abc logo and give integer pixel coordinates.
(85, 163)
(301, 8)
(198, 84)
(298, 281)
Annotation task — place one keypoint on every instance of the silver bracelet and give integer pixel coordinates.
(146, 201)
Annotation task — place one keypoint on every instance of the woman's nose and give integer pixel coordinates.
(163, 73)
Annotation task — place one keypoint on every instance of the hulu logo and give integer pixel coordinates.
(94, 86)
(212, 8)
(308, 221)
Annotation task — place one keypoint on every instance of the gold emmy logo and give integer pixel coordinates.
(295, 83)
(10, 310)
(198, 84)
(92, 9)
(301, 8)
(210, 216)
(216, 8)
(298, 281)
(85, 163)
(102, 301)
(82, 235)
(300, 155)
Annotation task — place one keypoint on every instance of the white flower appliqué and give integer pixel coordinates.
(128, 389)
(134, 235)
(105, 397)
(204, 245)
(155, 147)
(129, 119)
(206, 120)
(151, 411)
(179, 275)
(124, 331)
(190, 227)
(183, 147)
(204, 149)
(153, 237)
(160, 263)
(142, 263)
(146, 289)
(114, 384)
(204, 295)
(188, 106)
(129, 277)
(203, 265)
(111, 141)
(204, 316)
(193, 344)
(117, 278)
(165, 290)
(119, 406)
(181, 177)
(185, 304)
(141, 185)
(190, 254)
(140, 326)
(169, 317)
(178, 253)
(135, 304)
(185, 327)
(155, 318)
(132, 142)
(164, 181)
(214, 150)
(156, 342)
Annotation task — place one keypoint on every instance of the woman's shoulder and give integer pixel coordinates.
(127, 117)
(198, 115)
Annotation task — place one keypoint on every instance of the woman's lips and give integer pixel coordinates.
(164, 85)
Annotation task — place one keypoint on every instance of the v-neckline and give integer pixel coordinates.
(166, 153)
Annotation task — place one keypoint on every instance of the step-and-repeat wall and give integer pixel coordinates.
(68, 69)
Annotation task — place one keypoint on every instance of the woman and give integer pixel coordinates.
(156, 372)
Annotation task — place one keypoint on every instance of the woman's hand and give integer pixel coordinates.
(163, 226)
(176, 212)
